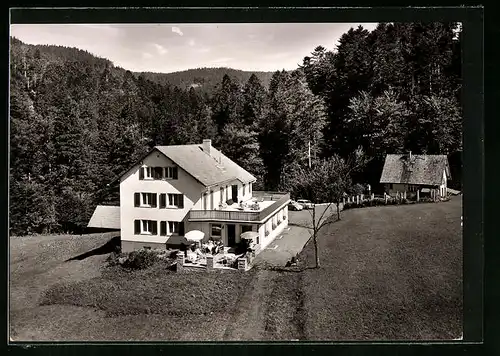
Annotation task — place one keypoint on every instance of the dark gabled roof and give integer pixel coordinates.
(420, 169)
(106, 217)
(206, 168)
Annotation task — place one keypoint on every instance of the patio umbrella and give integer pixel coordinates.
(249, 235)
(194, 235)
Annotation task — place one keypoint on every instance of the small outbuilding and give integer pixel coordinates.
(416, 175)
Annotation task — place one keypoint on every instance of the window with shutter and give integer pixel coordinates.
(175, 200)
(137, 227)
(137, 199)
(181, 228)
(173, 227)
(163, 228)
(146, 226)
(175, 174)
(148, 199)
(154, 230)
(146, 173)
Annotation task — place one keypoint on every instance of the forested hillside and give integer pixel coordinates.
(205, 80)
(77, 121)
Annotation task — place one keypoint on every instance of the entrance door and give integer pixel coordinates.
(231, 235)
(234, 193)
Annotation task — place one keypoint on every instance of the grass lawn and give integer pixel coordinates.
(55, 299)
(386, 273)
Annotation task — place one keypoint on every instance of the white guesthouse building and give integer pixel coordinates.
(176, 189)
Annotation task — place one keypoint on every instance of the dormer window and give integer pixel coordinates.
(145, 172)
(158, 173)
(170, 173)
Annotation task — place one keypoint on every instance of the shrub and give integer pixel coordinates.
(141, 259)
(114, 258)
(378, 201)
(358, 189)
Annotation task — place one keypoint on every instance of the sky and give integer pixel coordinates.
(175, 47)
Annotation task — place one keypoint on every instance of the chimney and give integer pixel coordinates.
(207, 144)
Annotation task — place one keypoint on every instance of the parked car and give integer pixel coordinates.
(293, 205)
(306, 204)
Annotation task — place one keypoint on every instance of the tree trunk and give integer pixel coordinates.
(338, 211)
(316, 254)
(315, 235)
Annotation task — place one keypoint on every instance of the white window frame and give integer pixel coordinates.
(146, 227)
(146, 199)
(148, 172)
(174, 197)
(168, 172)
(173, 228)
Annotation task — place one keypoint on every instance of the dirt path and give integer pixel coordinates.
(248, 320)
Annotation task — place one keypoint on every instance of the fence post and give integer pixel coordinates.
(180, 261)
(405, 195)
(357, 199)
(362, 197)
(385, 197)
(373, 196)
(210, 262)
(418, 195)
(242, 264)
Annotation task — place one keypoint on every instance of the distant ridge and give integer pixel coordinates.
(205, 79)
(202, 79)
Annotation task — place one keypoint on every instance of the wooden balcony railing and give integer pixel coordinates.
(280, 199)
(224, 215)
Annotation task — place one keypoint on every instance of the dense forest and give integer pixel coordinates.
(77, 121)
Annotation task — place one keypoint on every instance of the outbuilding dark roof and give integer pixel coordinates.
(420, 169)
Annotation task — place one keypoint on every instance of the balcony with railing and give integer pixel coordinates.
(267, 202)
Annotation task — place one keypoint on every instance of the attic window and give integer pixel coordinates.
(145, 172)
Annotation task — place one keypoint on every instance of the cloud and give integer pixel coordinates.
(222, 60)
(191, 42)
(147, 55)
(177, 30)
(203, 50)
(161, 50)
(278, 55)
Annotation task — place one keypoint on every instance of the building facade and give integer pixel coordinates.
(412, 174)
(176, 189)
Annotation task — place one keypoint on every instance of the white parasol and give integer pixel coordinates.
(249, 235)
(194, 235)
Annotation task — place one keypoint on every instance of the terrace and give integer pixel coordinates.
(255, 209)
